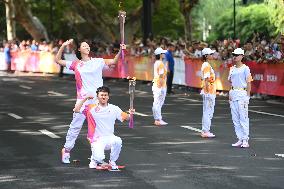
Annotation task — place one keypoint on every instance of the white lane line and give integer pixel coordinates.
(15, 116)
(10, 79)
(140, 114)
(192, 128)
(50, 134)
(25, 87)
(280, 155)
(53, 93)
(141, 92)
(266, 113)
(192, 100)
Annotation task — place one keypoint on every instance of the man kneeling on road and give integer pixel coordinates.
(101, 119)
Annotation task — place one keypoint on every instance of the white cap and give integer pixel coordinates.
(207, 51)
(159, 50)
(239, 51)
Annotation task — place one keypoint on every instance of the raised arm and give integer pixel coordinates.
(58, 56)
(114, 61)
(79, 105)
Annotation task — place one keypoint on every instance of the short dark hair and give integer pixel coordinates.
(103, 89)
(170, 44)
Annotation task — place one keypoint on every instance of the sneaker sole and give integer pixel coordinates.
(208, 136)
(244, 146)
(237, 146)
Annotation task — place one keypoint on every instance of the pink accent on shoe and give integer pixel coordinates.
(207, 135)
(237, 144)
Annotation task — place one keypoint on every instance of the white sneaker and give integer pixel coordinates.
(163, 122)
(237, 144)
(113, 165)
(157, 123)
(207, 135)
(245, 144)
(92, 164)
(65, 157)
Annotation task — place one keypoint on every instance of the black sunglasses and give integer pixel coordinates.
(236, 55)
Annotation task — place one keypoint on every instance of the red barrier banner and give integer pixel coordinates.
(193, 73)
(34, 62)
(268, 78)
(140, 67)
(116, 71)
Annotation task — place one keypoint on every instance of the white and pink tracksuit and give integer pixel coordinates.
(88, 77)
(101, 122)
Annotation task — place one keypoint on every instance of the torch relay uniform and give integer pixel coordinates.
(208, 95)
(88, 77)
(239, 100)
(159, 88)
(101, 122)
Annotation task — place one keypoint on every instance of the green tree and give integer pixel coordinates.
(249, 19)
(207, 12)
(276, 13)
(168, 20)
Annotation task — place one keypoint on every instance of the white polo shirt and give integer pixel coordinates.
(239, 78)
(88, 75)
(101, 120)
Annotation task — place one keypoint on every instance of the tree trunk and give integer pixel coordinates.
(106, 30)
(31, 23)
(10, 19)
(185, 7)
(189, 25)
(132, 23)
(93, 16)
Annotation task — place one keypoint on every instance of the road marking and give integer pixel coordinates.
(140, 114)
(10, 79)
(53, 93)
(15, 116)
(274, 102)
(192, 128)
(192, 100)
(141, 92)
(48, 133)
(25, 87)
(266, 113)
(280, 155)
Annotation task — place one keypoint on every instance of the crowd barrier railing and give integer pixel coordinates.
(268, 78)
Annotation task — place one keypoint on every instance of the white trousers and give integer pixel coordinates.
(159, 95)
(239, 111)
(208, 111)
(75, 126)
(112, 143)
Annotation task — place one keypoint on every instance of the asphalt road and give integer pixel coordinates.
(35, 113)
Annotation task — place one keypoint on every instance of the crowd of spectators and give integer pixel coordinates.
(257, 49)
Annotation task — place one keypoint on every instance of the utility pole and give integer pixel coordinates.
(147, 20)
(51, 18)
(234, 19)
